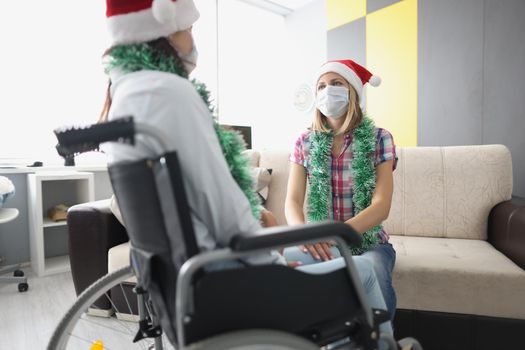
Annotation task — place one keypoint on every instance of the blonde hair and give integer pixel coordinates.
(353, 117)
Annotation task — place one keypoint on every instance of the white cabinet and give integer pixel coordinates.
(48, 240)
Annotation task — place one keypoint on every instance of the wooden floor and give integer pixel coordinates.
(28, 319)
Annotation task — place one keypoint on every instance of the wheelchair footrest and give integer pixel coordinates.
(146, 330)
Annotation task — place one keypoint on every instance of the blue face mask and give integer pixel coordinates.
(332, 101)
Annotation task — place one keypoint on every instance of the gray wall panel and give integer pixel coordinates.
(450, 72)
(504, 82)
(348, 41)
(374, 5)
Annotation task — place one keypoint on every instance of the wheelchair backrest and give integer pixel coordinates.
(154, 209)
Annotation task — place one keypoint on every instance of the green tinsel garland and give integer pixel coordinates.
(136, 57)
(363, 172)
(233, 145)
(320, 187)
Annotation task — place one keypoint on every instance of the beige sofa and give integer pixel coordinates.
(460, 243)
(451, 283)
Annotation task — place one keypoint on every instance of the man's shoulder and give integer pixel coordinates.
(156, 82)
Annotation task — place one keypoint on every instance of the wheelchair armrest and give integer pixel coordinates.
(289, 235)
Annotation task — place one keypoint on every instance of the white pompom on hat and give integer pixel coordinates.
(354, 73)
(136, 21)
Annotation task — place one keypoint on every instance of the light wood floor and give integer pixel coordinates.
(28, 319)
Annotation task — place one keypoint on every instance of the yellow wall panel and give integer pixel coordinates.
(391, 53)
(340, 12)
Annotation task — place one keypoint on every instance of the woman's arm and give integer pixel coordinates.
(293, 206)
(267, 218)
(379, 208)
(293, 210)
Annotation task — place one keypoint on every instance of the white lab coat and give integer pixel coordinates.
(219, 208)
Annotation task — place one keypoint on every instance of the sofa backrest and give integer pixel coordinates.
(438, 191)
(278, 162)
(448, 191)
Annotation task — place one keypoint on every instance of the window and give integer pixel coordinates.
(51, 73)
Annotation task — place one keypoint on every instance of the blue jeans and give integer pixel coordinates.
(382, 257)
(364, 267)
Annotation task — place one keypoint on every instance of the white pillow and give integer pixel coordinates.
(261, 178)
(113, 206)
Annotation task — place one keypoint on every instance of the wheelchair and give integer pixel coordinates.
(183, 304)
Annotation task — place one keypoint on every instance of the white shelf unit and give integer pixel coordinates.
(45, 190)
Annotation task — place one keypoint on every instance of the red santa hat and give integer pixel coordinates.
(135, 21)
(355, 74)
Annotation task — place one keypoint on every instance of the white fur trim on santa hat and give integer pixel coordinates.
(141, 26)
(163, 11)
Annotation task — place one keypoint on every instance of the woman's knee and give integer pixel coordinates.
(296, 254)
(366, 271)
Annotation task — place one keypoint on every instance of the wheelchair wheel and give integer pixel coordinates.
(78, 330)
(257, 339)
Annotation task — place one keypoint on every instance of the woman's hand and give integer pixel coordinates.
(319, 251)
(294, 263)
(268, 219)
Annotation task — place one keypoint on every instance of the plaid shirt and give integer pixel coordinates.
(342, 180)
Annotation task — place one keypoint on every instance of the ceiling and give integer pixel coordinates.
(292, 4)
(282, 7)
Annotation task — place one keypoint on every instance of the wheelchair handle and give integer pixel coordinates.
(74, 141)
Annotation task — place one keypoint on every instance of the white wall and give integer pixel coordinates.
(205, 37)
(252, 70)
(51, 73)
(306, 44)
(263, 58)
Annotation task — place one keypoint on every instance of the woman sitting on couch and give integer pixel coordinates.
(346, 164)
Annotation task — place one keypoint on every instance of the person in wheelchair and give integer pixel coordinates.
(151, 55)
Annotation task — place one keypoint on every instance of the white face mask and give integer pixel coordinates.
(332, 101)
(190, 59)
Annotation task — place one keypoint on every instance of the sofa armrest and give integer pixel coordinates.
(93, 230)
(506, 229)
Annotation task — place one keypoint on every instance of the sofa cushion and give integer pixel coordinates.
(278, 162)
(261, 180)
(118, 257)
(448, 191)
(458, 276)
